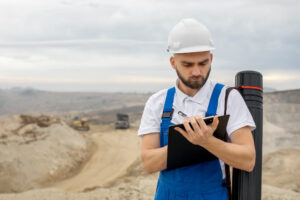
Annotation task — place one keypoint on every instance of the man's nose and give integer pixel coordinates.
(196, 71)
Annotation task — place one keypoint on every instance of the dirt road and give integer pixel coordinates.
(115, 151)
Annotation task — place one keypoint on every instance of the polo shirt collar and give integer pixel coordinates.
(199, 97)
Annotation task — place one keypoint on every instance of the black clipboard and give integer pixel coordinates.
(183, 153)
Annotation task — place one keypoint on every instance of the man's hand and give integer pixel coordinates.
(199, 133)
(240, 153)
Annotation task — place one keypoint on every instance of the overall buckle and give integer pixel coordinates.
(168, 114)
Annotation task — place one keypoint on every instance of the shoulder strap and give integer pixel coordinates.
(169, 100)
(226, 98)
(212, 110)
(227, 167)
(214, 99)
(166, 116)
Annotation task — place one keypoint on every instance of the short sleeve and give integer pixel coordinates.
(151, 118)
(240, 115)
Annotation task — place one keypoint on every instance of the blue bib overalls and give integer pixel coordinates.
(203, 181)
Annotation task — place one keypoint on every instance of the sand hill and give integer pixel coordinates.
(34, 151)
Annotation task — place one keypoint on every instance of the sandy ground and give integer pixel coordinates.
(33, 155)
(276, 138)
(281, 169)
(114, 153)
(114, 171)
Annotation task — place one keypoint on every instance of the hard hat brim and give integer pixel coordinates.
(193, 49)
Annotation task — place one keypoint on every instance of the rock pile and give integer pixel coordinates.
(37, 150)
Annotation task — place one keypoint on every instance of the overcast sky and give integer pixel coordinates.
(120, 45)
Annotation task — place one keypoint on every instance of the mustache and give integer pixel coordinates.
(197, 77)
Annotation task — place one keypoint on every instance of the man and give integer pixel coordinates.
(190, 43)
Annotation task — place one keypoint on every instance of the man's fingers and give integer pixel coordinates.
(215, 123)
(202, 125)
(188, 128)
(195, 124)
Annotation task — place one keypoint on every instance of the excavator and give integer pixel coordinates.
(80, 124)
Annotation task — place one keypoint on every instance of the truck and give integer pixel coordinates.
(122, 121)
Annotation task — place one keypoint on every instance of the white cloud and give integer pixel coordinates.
(97, 39)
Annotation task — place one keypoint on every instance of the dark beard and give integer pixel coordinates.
(194, 84)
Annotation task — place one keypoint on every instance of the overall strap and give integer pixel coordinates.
(167, 115)
(214, 99)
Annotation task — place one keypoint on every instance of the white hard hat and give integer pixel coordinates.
(189, 36)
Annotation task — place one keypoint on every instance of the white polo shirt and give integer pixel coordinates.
(196, 105)
(185, 105)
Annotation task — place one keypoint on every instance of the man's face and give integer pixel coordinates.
(192, 68)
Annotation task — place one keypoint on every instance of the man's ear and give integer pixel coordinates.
(211, 57)
(172, 62)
